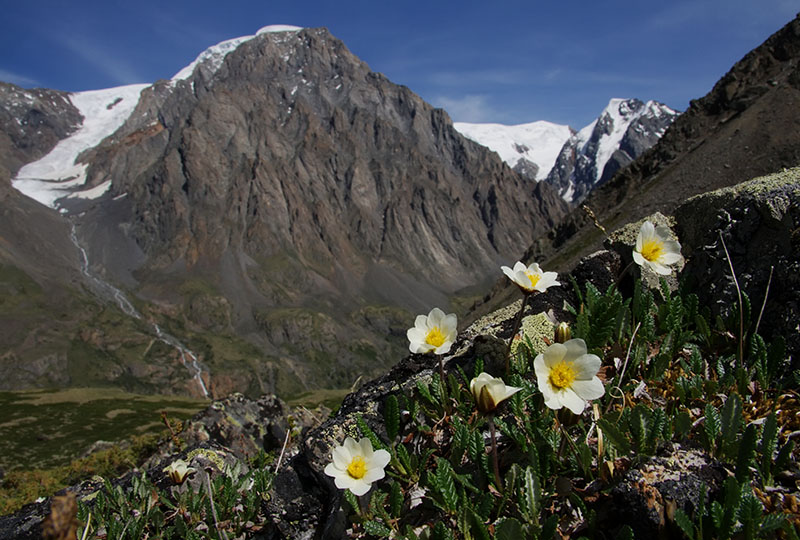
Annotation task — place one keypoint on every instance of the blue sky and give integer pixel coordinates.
(506, 61)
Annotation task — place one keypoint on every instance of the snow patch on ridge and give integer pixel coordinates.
(538, 142)
(216, 55)
(57, 175)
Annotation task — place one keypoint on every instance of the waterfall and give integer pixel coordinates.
(110, 292)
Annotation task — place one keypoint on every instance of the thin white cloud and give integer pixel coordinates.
(470, 108)
(16, 78)
(113, 67)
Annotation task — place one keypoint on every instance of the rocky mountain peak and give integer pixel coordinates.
(621, 133)
(307, 194)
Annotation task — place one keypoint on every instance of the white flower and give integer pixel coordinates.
(435, 332)
(656, 249)
(530, 278)
(567, 376)
(489, 391)
(178, 470)
(356, 465)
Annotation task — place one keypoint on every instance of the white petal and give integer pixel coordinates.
(449, 323)
(373, 475)
(539, 366)
(534, 268)
(660, 268)
(554, 354)
(586, 366)
(591, 389)
(519, 267)
(647, 230)
(572, 401)
(345, 481)
(420, 348)
(359, 487)
(508, 272)
(638, 258)
(575, 348)
(670, 258)
(421, 322)
(435, 317)
(380, 458)
(444, 348)
(332, 470)
(416, 334)
(341, 457)
(552, 400)
(352, 446)
(365, 447)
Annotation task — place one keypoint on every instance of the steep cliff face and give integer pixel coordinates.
(31, 123)
(294, 144)
(318, 204)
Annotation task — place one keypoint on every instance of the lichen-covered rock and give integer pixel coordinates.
(758, 222)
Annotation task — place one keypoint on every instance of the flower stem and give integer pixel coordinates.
(495, 463)
(517, 324)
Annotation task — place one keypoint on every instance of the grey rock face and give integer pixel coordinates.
(31, 123)
(299, 183)
(622, 132)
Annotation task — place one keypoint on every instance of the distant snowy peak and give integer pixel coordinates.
(620, 134)
(213, 57)
(530, 149)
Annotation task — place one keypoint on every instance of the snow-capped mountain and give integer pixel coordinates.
(575, 162)
(622, 132)
(529, 149)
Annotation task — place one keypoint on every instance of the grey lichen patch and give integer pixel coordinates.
(491, 324)
(210, 455)
(538, 329)
(786, 181)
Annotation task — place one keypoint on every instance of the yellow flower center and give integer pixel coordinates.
(534, 278)
(652, 250)
(434, 337)
(562, 375)
(357, 468)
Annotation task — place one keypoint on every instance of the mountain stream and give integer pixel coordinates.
(106, 289)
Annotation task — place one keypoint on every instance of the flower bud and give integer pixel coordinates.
(563, 333)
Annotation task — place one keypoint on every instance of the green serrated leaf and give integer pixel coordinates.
(444, 483)
(391, 416)
(731, 419)
(625, 533)
(685, 523)
(712, 426)
(441, 532)
(508, 529)
(769, 440)
(531, 495)
(395, 500)
(747, 451)
(617, 438)
(376, 528)
(367, 432)
(425, 392)
(352, 500)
